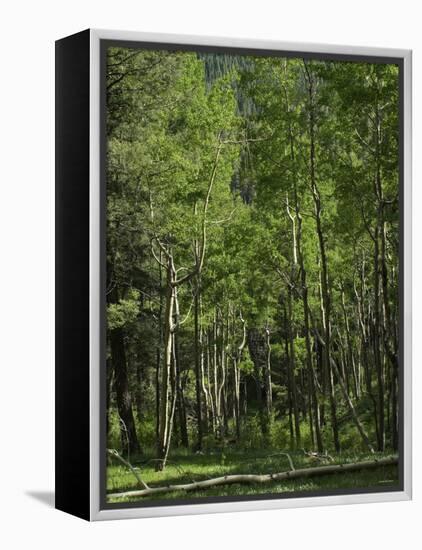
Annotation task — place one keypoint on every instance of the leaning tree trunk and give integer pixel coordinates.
(352, 410)
(109, 382)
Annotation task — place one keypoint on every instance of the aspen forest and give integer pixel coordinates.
(252, 275)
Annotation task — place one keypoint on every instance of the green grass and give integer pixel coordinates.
(184, 467)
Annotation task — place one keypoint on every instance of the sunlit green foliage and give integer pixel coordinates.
(303, 157)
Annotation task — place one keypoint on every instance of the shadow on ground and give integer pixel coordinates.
(45, 497)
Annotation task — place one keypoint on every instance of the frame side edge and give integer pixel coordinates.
(72, 257)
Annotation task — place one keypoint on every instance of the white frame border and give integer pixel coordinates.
(96, 513)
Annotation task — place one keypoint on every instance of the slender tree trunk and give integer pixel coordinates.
(289, 384)
(236, 374)
(184, 437)
(198, 374)
(209, 389)
(268, 384)
(139, 391)
(168, 398)
(204, 386)
(158, 353)
(314, 415)
(109, 382)
(165, 412)
(377, 344)
(222, 403)
(313, 396)
(326, 299)
(390, 341)
(213, 368)
(292, 366)
(173, 398)
(236, 397)
(365, 346)
(129, 438)
(256, 345)
(350, 356)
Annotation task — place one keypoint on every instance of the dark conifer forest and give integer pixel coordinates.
(252, 237)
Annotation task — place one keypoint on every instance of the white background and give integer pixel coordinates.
(27, 36)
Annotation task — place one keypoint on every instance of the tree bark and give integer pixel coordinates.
(268, 384)
(350, 356)
(184, 436)
(377, 342)
(165, 416)
(129, 438)
(256, 345)
(292, 367)
(198, 370)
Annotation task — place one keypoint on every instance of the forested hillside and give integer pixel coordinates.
(252, 269)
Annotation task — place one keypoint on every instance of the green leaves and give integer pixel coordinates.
(281, 170)
(125, 312)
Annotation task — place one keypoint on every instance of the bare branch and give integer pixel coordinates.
(180, 323)
(156, 258)
(113, 453)
(200, 262)
(365, 143)
(217, 222)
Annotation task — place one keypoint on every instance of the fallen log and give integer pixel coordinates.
(259, 478)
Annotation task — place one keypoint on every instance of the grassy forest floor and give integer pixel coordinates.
(185, 467)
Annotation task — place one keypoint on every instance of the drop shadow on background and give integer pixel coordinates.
(45, 497)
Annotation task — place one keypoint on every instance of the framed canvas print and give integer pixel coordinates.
(233, 286)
